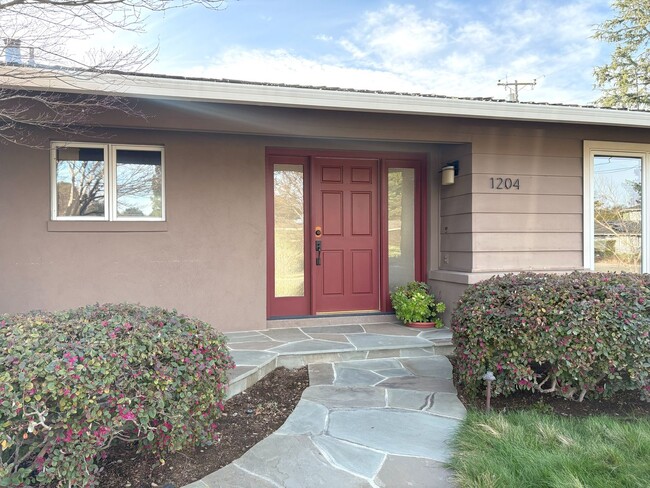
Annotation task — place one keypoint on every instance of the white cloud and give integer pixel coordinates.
(281, 66)
(395, 35)
(401, 48)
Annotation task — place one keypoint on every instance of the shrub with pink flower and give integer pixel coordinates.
(72, 382)
(572, 335)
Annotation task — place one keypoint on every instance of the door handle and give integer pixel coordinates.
(318, 231)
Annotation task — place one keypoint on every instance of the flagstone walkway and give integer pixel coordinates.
(257, 353)
(378, 420)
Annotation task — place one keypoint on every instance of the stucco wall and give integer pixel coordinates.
(209, 262)
(209, 259)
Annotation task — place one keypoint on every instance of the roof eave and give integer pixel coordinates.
(168, 88)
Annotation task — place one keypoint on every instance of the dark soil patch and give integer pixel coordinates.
(248, 418)
(626, 404)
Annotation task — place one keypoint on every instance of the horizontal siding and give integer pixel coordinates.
(456, 242)
(515, 242)
(454, 224)
(522, 145)
(535, 227)
(462, 186)
(456, 261)
(456, 205)
(511, 242)
(456, 200)
(521, 261)
(510, 202)
(517, 222)
(528, 184)
(527, 165)
(513, 222)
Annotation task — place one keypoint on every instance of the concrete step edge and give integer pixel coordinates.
(298, 360)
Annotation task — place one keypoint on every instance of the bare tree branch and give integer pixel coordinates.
(38, 34)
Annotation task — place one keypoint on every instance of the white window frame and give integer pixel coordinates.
(617, 149)
(110, 180)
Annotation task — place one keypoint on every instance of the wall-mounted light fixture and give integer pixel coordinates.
(449, 173)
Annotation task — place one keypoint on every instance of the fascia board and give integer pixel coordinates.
(324, 99)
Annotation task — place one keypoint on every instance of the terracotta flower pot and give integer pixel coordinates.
(422, 325)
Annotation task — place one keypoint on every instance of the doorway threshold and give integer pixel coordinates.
(333, 318)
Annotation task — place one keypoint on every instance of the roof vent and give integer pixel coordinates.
(12, 51)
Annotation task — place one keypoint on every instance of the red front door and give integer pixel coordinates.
(345, 272)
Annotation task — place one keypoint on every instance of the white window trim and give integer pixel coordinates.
(113, 179)
(53, 147)
(621, 149)
(110, 181)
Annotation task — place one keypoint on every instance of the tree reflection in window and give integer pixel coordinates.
(289, 222)
(80, 182)
(617, 214)
(139, 183)
(401, 226)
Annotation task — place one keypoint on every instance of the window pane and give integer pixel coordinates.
(401, 226)
(139, 183)
(289, 221)
(617, 213)
(79, 182)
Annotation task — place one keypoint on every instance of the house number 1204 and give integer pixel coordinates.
(504, 183)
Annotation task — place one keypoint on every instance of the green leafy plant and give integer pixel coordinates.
(414, 303)
(571, 335)
(73, 382)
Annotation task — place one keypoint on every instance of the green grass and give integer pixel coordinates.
(531, 449)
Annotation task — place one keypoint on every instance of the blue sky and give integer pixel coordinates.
(456, 48)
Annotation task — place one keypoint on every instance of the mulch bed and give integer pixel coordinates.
(248, 418)
(627, 404)
(260, 410)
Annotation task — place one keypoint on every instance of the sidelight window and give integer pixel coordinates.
(289, 229)
(401, 226)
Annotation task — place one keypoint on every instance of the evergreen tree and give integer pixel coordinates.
(625, 79)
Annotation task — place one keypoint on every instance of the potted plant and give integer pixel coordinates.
(416, 306)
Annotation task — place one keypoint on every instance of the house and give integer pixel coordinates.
(241, 203)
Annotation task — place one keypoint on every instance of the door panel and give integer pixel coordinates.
(345, 196)
(362, 213)
(332, 212)
(333, 273)
(362, 272)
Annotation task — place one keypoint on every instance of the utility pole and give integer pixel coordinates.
(514, 87)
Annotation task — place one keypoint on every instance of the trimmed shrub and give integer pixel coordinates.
(73, 382)
(570, 335)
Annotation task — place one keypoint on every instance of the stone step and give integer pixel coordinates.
(257, 353)
(333, 319)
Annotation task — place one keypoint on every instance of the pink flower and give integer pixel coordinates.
(125, 414)
(68, 436)
(128, 416)
(70, 359)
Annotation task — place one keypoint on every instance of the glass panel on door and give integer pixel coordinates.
(617, 213)
(401, 226)
(289, 228)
